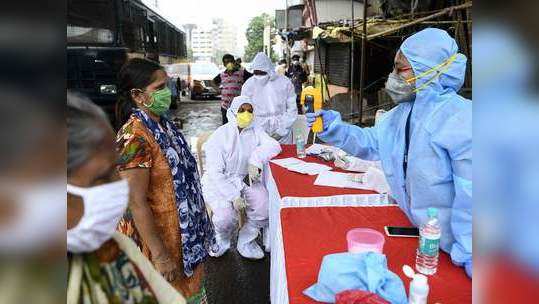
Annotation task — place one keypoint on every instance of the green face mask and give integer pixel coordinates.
(160, 101)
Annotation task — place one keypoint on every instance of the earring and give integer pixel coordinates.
(147, 105)
(143, 103)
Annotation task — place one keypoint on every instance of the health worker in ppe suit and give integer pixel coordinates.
(425, 142)
(235, 155)
(273, 97)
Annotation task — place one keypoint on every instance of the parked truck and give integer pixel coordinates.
(103, 34)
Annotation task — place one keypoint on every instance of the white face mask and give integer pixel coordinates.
(262, 79)
(104, 205)
(398, 89)
(39, 216)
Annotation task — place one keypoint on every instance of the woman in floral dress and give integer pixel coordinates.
(167, 216)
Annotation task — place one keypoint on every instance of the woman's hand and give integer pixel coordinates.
(139, 180)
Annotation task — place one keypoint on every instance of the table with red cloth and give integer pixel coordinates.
(307, 241)
(293, 184)
(290, 189)
(309, 221)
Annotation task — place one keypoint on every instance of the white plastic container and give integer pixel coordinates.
(419, 287)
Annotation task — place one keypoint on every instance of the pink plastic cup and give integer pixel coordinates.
(365, 239)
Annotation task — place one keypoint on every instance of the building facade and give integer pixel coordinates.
(210, 42)
(202, 44)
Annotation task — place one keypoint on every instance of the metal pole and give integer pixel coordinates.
(445, 11)
(352, 53)
(287, 50)
(363, 60)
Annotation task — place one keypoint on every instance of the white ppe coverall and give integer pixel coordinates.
(229, 153)
(274, 99)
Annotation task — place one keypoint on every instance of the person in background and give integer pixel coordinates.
(298, 76)
(241, 68)
(238, 63)
(274, 99)
(103, 264)
(305, 65)
(174, 89)
(281, 68)
(235, 155)
(32, 194)
(230, 81)
(180, 87)
(167, 215)
(425, 142)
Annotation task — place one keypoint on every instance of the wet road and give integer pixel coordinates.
(198, 117)
(230, 279)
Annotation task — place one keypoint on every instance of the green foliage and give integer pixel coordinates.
(255, 36)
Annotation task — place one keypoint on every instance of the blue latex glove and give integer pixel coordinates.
(365, 271)
(328, 117)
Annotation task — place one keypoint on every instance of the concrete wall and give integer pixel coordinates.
(335, 10)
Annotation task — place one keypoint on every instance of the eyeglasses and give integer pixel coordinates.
(401, 68)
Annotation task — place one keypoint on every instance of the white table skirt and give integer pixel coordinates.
(278, 283)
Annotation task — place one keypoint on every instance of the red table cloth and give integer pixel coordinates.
(311, 233)
(301, 185)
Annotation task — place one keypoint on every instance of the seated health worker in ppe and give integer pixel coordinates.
(274, 98)
(425, 142)
(235, 155)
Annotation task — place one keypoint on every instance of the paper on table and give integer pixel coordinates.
(285, 162)
(309, 168)
(296, 165)
(339, 180)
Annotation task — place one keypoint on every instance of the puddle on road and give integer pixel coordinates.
(197, 119)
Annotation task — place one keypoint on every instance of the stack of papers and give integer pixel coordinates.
(296, 165)
(339, 180)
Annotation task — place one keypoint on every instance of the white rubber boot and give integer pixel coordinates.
(247, 246)
(221, 246)
(266, 238)
(224, 222)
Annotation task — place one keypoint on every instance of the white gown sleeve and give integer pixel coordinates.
(228, 188)
(267, 149)
(289, 117)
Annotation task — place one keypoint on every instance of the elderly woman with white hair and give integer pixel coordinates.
(235, 155)
(104, 265)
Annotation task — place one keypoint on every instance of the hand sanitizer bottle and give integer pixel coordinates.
(419, 287)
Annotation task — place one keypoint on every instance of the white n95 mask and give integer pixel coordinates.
(104, 205)
(262, 79)
(39, 215)
(399, 89)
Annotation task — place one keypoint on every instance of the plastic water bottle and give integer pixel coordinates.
(429, 244)
(300, 146)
